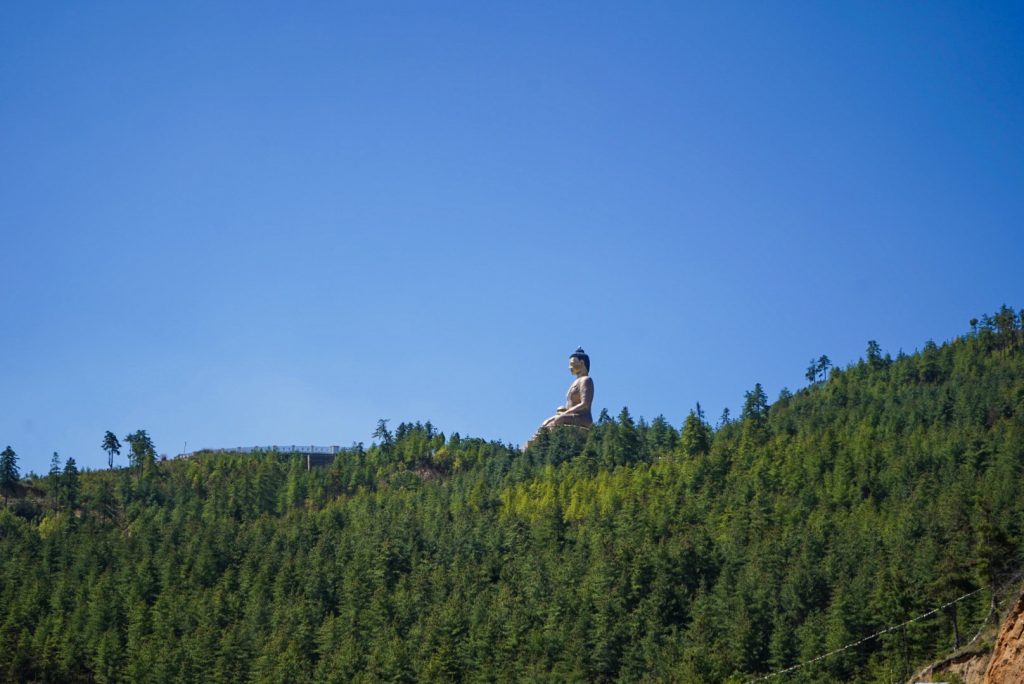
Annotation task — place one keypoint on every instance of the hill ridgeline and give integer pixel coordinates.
(634, 550)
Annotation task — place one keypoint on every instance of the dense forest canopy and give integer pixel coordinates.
(633, 550)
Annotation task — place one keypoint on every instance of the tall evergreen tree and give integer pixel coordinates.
(755, 404)
(69, 485)
(755, 416)
(1005, 322)
(141, 449)
(384, 435)
(812, 371)
(696, 437)
(874, 354)
(112, 447)
(823, 364)
(725, 418)
(54, 480)
(8, 472)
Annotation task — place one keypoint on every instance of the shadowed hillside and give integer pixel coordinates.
(634, 550)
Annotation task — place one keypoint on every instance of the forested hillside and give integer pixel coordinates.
(632, 551)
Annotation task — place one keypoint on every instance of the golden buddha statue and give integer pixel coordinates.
(578, 399)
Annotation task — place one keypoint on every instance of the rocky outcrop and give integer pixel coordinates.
(1007, 663)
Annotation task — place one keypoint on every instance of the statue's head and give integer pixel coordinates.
(582, 356)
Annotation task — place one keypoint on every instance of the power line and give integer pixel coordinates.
(793, 668)
(931, 612)
(991, 611)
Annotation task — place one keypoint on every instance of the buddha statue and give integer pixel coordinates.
(578, 399)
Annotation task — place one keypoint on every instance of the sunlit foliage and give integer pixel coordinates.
(630, 551)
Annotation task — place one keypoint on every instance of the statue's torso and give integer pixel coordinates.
(575, 393)
(580, 386)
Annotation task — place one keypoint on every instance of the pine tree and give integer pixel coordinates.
(755, 404)
(112, 447)
(8, 472)
(69, 485)
(661, 436)
(812, 371)
(874, 354)
(142, 451)
(696, 438)
(382, 433)
(755, 416)
(822, 367)
(725, 418)
(54, 480)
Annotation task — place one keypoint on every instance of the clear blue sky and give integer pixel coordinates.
(248, 223)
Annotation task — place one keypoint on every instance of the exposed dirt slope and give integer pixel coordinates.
(970, 667)
(1007, 664)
